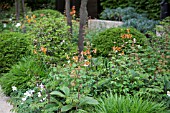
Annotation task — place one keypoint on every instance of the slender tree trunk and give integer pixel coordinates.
(69, 18)
(23, 8)
(17, 9)
(83, 20)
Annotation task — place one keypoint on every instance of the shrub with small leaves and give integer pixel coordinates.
(117, 39)
(13, 47)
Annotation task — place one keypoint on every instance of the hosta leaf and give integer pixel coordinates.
(57, 93)
(66, 108)
(88, 100)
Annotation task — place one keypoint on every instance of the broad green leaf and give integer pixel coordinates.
(88, 100)
(66, 108)
(57, 93)
(66, 90)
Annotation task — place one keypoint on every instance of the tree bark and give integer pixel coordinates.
(17, 9)
(83, 20)
(69, 18)
(23, 8)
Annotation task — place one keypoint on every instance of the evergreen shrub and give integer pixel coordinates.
(117, 37)
(13, 47)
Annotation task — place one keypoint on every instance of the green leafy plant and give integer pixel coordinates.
(23, 75)
(143, 6)
(13, 47)
(127, 104)
(72, 100)
(117, 37)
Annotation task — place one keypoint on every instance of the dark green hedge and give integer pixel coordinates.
(151, 7)
(13, 47)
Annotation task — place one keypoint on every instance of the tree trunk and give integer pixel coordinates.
(17, 9)
(23, 8)
(83, 20)
(69, 18)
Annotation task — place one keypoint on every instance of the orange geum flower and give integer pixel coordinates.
(34, 16)
(89, 56)
(44, 50)
(27, 17)
(95, 51)
(28, 20)
(35, 52)
(86, 63)
(75, 58)
(88, 51)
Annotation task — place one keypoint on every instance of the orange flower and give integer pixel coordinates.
(41, 15)
(28, 20)
(27, 17)
(116, 48)
(44, 50)
(122, 53)
(89, 56)
(34, 16)
(86, 63)
(75, 58)
(88, 51)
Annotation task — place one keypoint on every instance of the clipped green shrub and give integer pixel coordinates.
(126, 104)
(23, 75)
(47, 12)
(117, 37)
(13, 47)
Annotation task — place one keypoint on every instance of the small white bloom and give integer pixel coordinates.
(27, 94)
(168, 93)
(18, 24)
(4, 25)
(134, 40)
(10, 19)
(68, 61)
(39, 94)
(14, 88)
(24, 99)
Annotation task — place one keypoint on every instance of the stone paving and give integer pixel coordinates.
(5, 107)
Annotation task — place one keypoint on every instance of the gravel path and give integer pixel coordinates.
(4, 106)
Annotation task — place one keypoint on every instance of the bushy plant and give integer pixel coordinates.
(118, 39)
(130, 18)
(47, 12)
(51, 37)
(127, 104)
(23, 75)
(151, 7)
(13, 47)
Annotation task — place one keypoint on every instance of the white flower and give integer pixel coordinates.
(24, 99)
(39, 94)
(18, 24)
(14, 88)
(10, 19)
(68, 61)
(28, 94)
(61, 43)
(168, 93)
(4, 25)
(134, 40)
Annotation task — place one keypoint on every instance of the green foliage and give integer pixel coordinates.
(47, 12)
(23, 75)
(72, 100)
(112, 37)
(151, 7)
(52, 40)
(127, 104)
(13, 47)
(130, 18)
